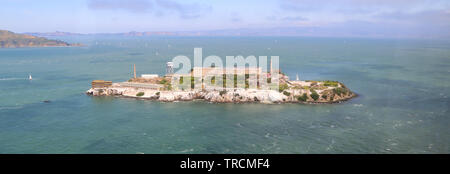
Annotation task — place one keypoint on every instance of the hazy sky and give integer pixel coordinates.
(415, 18)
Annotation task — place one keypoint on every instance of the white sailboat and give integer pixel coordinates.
(30, 78)
(298, 79)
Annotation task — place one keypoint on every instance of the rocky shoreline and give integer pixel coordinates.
(327, 95)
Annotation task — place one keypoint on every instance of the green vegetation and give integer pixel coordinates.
(166, 84)
(304, 97)
(286, 93)
(223, 92)
(12, 40)
(213, 80)
(163, 81)
(340, 91)
(140, 94)
(331, 83)
(319, 87)
(181, 80)
(247, 84)
(297, 87)
(283, 87)
(224, 79)
(324, 96)
(158, 93)
(235, 80)
(314, 95)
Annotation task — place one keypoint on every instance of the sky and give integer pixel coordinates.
(370, 18)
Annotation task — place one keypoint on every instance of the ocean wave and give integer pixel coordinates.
(358, 105)
(10, 107)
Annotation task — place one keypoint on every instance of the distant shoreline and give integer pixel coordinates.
(44, 46)
(10, 39)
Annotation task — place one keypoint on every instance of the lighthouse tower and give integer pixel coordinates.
(169, 68)
(134, 70)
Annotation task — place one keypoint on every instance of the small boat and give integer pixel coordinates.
(30, 78)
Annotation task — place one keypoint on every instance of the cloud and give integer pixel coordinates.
(295, 18)
(384, 29)
(440, 17)
(385, 13)
(134, 6)
(235, 17)
(365, 6)
(157, 7)
(367, 18)
(185, 11)
(345, 10)
(433, 22)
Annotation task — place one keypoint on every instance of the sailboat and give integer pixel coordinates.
(30, 78)
(297, 78)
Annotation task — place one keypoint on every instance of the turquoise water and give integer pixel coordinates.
(403, 105)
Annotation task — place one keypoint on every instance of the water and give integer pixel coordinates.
(403, 105)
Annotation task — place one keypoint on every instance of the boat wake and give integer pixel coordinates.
(11, 107)
(4, 79)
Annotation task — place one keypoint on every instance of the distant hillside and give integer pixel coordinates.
(9, 39)
(57, 33)
(132, 33)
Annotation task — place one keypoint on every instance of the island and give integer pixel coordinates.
(9, 39)
(153, 87)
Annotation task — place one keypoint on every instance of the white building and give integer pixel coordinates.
(149, 76)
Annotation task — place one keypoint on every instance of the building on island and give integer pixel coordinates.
(149, 76)
(209, 71)
(101, 84)
(207, 77)
(215, 71)
(141, 85)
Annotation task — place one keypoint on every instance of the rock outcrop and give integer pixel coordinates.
(232, 96)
